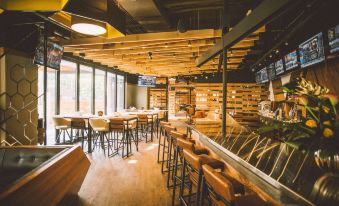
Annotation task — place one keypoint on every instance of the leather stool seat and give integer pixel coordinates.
(226, 190)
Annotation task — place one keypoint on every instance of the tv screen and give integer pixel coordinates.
(333, 39)
(291, 60)
(54, 54)
(146, 81)
(279, 67)
(263, 75)
(257, 77)
(271, 71)
(312, 51)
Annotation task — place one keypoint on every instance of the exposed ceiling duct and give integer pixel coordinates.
(146, 13)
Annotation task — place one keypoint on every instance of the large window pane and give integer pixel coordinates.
(85, 89)
(51, 99)
(111, 97)
(120, 92)
(99, 90)
(67, 86)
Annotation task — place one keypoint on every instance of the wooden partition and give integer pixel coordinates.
(242, 99)
(157, 98)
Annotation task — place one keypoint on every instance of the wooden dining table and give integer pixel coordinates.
(127, 118)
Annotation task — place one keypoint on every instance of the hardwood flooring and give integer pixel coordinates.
(136, 180)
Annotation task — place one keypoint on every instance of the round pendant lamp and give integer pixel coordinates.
(88, 26)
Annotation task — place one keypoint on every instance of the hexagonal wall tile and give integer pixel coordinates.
(17, 72)
(24, 87)
(24, 116)
(31, 131)
(15, 128)
(31, 74)
(10, 112)
(17, 101)
(2, 115)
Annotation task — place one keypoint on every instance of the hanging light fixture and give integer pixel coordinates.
(88, 26)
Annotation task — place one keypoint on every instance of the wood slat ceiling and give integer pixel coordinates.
(172, 53)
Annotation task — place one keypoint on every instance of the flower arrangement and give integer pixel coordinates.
(320, 130)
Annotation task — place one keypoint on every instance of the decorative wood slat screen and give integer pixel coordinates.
(157, 98)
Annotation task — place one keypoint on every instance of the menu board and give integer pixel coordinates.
(291, 60)
(271, 71)
(312, 51)
(333, 39)
(279, 67)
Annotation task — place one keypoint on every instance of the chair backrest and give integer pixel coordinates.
(218, 183)
(99, 124)
(60, 121)
(185, 144)
(78, 122)
(163, 123)
(169, 128)
(142, 117)
(161, 115)
(117, 124)
(176, 135)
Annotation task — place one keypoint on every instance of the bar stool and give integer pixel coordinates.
(79, 125)
(62, 125)
(162, 137)
(146, 125)
(221, 190)
(168, 152)
(193, 164)
(101, 128)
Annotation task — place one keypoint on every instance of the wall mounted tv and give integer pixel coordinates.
(312, 51)
(263, 75)
(291, 60)
(333, 39)
(279, 67)
(257, 77)
(146, 81)
(54, 54)
(271, 71)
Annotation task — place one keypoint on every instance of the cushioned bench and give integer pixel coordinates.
(40, 175)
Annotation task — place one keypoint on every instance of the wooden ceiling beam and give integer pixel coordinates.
(193, 34)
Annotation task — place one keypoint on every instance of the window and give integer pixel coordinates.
(111, 93)
(99, 90)
(120, 92)
(85, 89)
(51, 100)
(67, 87)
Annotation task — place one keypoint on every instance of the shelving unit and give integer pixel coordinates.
(242, 99)
(157, 98)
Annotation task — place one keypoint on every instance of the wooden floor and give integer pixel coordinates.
(126, 182)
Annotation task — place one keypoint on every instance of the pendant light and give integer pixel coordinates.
(88, 26)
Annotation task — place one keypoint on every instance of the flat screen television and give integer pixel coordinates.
(54, 54)
(291, 60)
(312, 51)
(257, 77)
(271, 71)
(146, 81)
(279, 67)
(333, 39)
(263, 75)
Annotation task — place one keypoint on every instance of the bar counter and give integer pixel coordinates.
(285, 175)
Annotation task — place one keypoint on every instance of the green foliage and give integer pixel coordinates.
(320, 130)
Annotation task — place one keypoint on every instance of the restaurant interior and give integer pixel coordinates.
(169, 102)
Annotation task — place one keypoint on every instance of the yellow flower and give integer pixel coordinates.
(311, 123)
(327, 123)
(328, 133)
(326, 109)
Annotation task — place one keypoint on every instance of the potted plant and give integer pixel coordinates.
(316, 134)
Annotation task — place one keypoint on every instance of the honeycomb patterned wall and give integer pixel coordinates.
(18, 100)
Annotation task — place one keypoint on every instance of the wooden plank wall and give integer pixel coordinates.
(326, 74)
(242, 99)
(157, 98)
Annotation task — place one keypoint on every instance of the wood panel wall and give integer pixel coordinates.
(326, 74)
(157, 98)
